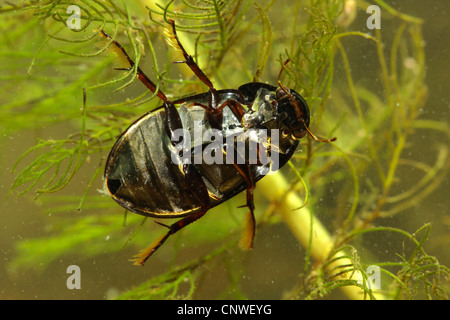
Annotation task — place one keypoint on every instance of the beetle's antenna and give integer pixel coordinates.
(282, 68)
(279, 77)
(290, 95)
(315, 137)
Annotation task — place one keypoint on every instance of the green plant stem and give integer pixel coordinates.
(310, 234)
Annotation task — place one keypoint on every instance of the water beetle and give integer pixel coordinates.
(154, 171)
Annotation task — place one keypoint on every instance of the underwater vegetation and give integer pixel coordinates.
(343, 219)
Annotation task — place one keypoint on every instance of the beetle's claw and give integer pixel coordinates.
(140, 258)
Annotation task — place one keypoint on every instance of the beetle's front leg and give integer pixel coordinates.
(215, 115)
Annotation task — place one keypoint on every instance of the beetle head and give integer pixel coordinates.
(292, 113)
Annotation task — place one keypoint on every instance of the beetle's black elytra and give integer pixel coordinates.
(142, 176)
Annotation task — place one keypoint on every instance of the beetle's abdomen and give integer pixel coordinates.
(142, 176)
(140, 173)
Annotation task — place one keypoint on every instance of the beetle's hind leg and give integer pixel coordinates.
(214, 115)
(146, 253)
(173, 121)
(200, 191)
(188, 58)
(140, 74)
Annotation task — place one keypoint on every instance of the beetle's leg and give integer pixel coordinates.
(194, 181)
(215, 118)
(141, 75)
(214, 97)
(173, 121)
(192, 175)
(142, 256)
(244, 170)
(189, 60)
(249, 230)
(235, 107)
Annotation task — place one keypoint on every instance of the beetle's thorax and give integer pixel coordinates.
(261, 111)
